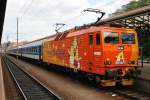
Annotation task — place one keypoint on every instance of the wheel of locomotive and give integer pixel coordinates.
(97, 79)
(90, 77)
(71, 73)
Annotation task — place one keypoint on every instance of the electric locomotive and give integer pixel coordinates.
(109, 55)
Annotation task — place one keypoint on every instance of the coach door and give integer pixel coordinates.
(90, 49)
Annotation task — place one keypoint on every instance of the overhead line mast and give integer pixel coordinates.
(17, 40)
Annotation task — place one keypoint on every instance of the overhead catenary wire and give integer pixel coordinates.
(109, 3)
(27, 8)
(81, 14)
(47, 20)
(67, 20)
(24, 5)
(29, 5)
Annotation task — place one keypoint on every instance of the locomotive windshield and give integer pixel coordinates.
(111, 37)
(128, 38)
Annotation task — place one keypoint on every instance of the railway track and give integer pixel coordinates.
(132, 93)
(128, 92)
(30, 88)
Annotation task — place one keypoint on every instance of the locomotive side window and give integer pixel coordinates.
(128, 38)
(90, 39)
(97, 39)
(111, 37)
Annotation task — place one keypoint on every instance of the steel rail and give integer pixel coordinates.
(30, 87)
(132, 93)
(37, 80)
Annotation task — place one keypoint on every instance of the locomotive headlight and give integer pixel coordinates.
(132, 62)
(107, 62)
(120, 47)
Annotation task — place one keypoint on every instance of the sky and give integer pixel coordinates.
(36, 18)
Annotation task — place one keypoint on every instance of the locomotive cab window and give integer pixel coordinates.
(98, 39)
(111, 37)
(90, 39)
(128, 38)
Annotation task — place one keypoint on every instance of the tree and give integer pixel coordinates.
(131, 6)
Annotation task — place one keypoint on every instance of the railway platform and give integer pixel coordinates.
(145, 71)
(2, 90)
(142, 81)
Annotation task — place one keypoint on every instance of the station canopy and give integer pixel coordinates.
(139, 18)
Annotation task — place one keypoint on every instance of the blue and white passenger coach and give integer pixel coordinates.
(31, 50)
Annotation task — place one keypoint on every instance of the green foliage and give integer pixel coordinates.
(131, 6)
(135, 4)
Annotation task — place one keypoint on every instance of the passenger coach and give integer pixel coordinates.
(31, 50)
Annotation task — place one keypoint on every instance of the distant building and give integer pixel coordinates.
(8, 45)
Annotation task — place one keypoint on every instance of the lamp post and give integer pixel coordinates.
(17, 39)
(141, 55)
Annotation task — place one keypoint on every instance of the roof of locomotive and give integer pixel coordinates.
(75, 32)
(94, 29)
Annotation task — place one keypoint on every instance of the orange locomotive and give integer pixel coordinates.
(108, 54)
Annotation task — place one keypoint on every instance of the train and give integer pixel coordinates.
(107, 54)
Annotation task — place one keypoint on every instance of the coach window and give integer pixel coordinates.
(30, 50)
(90, 39)
(36, 50)
(98, 39)
(33, 49)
